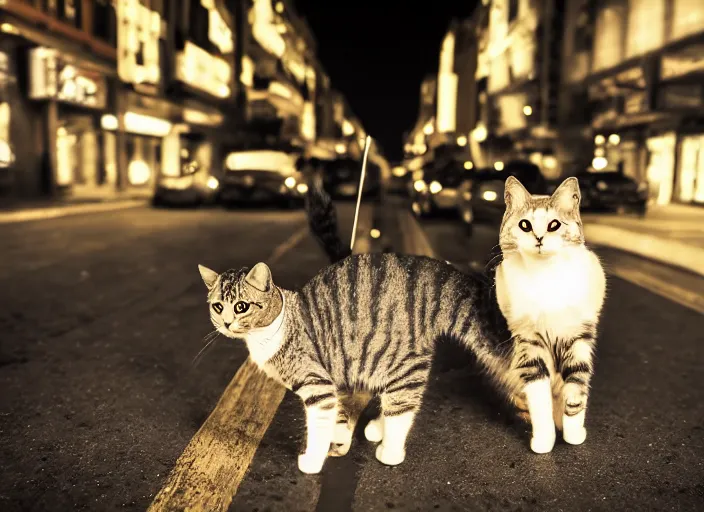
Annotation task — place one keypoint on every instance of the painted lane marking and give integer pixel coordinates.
(209, 471)
(653, 284)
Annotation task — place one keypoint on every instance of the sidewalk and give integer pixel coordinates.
(39, 210)
(672, 234)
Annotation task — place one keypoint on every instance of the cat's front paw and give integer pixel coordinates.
(390, 456)
(310, 463)
(573, 431)
(373, 431)
(542, 442)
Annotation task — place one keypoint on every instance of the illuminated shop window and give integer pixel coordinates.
(646, 26)
(608, 40)
(687, 18)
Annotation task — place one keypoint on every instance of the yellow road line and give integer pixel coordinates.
(670, 291)
(286, 246)
(209, 471)
(414, 239)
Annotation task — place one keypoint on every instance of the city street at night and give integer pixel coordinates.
(148, 146)
(100, 397)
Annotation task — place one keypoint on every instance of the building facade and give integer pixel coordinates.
(638, 68)
(112, 95)
(102, 98)
(517, 80)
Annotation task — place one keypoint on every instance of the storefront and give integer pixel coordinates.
(75, 97)
(7, 155)
(689, 187)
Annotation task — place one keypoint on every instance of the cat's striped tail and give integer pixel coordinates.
(322, 220)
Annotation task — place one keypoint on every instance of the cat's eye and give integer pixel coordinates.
(525, 226)
(554, 225)
(241, 307)
(217, 307)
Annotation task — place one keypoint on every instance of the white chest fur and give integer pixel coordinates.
(264, 342)
(553, 296)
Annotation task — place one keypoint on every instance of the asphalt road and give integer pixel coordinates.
(102, 315)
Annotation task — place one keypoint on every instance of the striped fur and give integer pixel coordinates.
(322, 219)
(368, 323)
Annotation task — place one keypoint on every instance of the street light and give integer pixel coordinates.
(499, 166)
(527, 110)
(614, 139)
(428, 129)
(479, 133)
(468, 165)
(599, 139)
(462, 140)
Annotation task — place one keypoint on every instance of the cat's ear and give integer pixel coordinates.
(515, 194)
(567, 196)
(209, 276)
(260, 277)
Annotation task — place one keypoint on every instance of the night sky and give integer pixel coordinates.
(377, 53)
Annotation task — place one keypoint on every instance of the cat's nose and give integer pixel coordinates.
(540, 238)
(227, 324)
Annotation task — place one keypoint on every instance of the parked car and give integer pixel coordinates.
(195, 186)
(481, 196)
(262, 175)
(611, 191)
(436, 189)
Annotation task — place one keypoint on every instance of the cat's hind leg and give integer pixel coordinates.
(342, 435)
(400, 402)
(351, 406)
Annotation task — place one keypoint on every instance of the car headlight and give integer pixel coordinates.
(302, 188)
(419, 185)
(642, 186)
(290, 182)
(212, 183)
(435, 187)
(489, 195)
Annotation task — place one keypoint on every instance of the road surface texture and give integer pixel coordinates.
(101, 316)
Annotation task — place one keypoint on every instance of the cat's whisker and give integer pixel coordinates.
(203, 350)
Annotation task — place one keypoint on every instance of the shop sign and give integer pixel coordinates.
(52, 76)
(635, 103)
(681, 96)
(218, 31)
(201, 70)
(139, 30)
(672, 66)
(5, 74)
